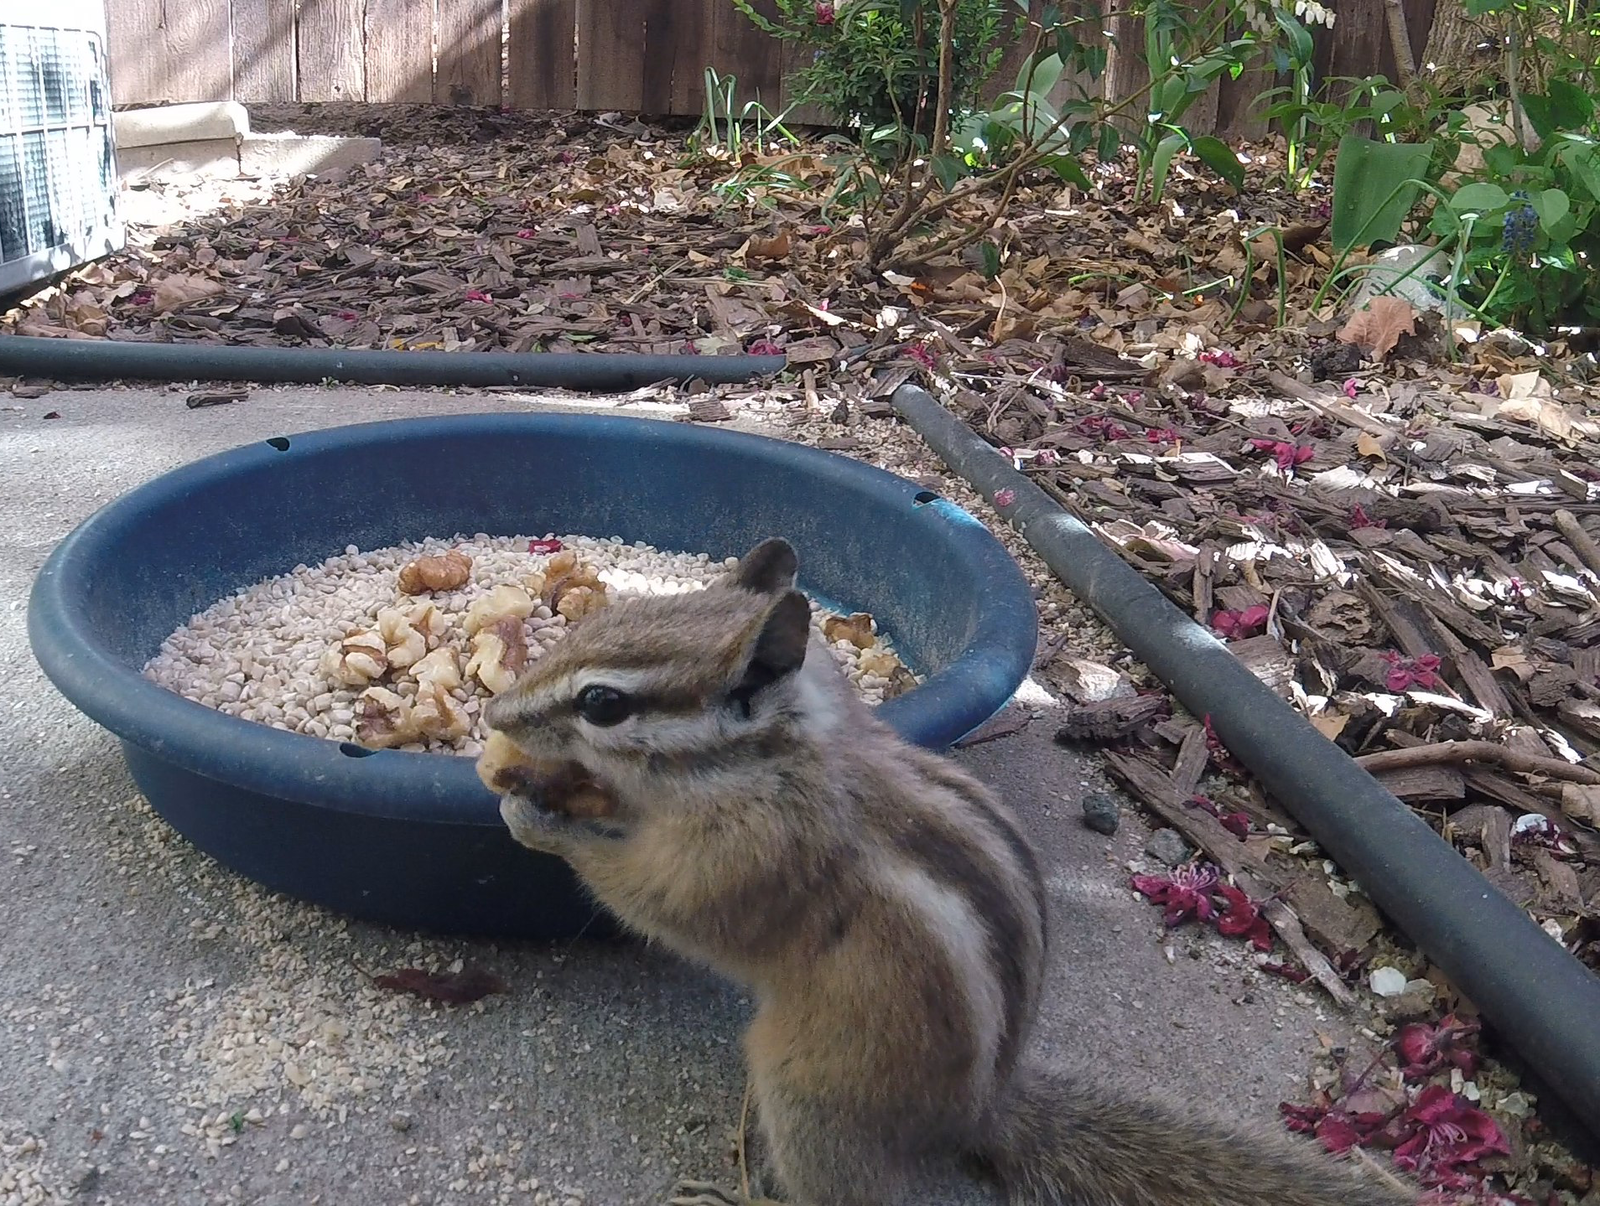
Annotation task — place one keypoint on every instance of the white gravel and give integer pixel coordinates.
(259, 654)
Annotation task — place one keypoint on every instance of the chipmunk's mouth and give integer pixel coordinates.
(550, 785)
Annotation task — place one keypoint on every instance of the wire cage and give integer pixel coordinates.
(58, 175)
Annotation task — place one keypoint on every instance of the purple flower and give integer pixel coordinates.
(1184, 893)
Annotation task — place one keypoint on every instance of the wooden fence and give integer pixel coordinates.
(646, 56)
(641, 56)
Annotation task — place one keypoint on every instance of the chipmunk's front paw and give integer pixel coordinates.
(554, 832)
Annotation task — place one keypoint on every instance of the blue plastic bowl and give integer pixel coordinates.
(414, 839)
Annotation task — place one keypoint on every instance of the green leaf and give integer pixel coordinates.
(1219, 157)
(991, 260)
(1109, 142)
(1161, 161)
(1551, 205)
(1046, 73)
(949, 169)
(1477, 8)
(1564, 107)
(1584, 164)
(1500, 159)
(1373, 189)
(1069, 169)
(1481, 197)
(1297, 35)
(1563, 230)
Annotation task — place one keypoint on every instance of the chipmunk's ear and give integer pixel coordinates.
(768, 568)
(779, 648)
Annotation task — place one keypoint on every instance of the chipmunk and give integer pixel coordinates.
(733, 799)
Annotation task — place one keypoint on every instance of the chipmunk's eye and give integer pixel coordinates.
(603, 705)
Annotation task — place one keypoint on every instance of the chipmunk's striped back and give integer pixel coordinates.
(886, 910)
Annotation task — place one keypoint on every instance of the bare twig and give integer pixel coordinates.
(1580, 541)
(1157, 790)
(1445, 752)
(1328, 408)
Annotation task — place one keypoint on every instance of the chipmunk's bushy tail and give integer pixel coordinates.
(1061, 1138)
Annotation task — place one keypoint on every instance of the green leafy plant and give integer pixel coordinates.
(1518, 220)
(875, 65)
(987, 150)
(1527, 240)
(1316, 123)
(727, 129)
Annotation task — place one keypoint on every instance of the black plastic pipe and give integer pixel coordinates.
(114, 360)
(1539, 997)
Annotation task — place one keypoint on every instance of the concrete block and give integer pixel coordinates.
(293, 154)
(204, 122)
(214, 157)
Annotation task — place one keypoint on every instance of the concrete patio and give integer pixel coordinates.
(170, 1032)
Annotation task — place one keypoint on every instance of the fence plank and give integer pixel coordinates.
(399, 51)
(469, 53)
(1241, 111)
(744, 51)
(674, 48)
(263, 50)
(329, 51)
(611, 50)
(694, 49)
(139, 67)
(170, 50)
(543, 67)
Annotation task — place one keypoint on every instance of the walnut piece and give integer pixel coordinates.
(356, 660)
(438, 715)
(567, 586)
(384, 719)
(405, 644)
(449, 571)
(439, 669)
(579, 601)
(427, 619)
(504, 600)
(878, 661)
(859, 629)
(499, 653)
(562, 787)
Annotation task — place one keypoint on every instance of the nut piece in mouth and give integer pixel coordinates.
(552, 784)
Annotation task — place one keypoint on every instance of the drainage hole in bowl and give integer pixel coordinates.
(351, 750)
(281, 443)
(923, 497)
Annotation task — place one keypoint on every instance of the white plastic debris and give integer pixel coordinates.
(1388, 981)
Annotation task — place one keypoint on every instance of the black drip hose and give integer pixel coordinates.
(1538, 997)
(114, 360)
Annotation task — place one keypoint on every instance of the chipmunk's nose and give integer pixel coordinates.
(497, 713)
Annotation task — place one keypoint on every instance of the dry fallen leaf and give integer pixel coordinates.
(1330, 724)
(464, 987)
(775, 248)
(1368, 444)
(1581, 802)
(1379, 327)
(177, 291)
(1528, 397)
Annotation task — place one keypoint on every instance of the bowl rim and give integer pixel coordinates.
(444, 788)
